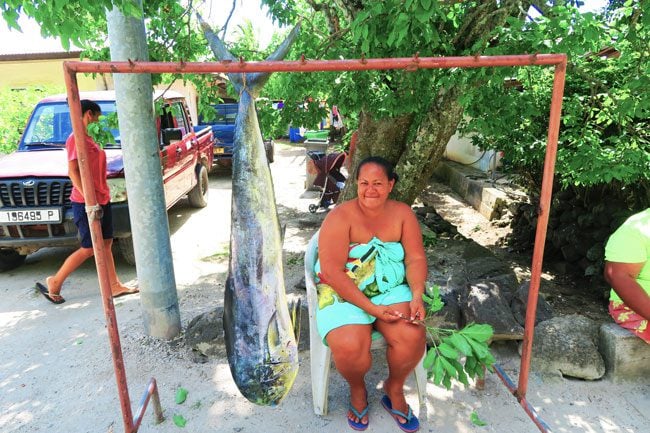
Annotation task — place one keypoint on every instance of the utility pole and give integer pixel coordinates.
(147, 210)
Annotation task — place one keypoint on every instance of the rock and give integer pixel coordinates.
(485, 303)
(450, 316)
(627, 357)
(204, 334)
(301, 285)
(519, 304)
(567, 346)
(481, 263)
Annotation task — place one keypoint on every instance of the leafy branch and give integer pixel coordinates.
(443, 360)
(101, 131)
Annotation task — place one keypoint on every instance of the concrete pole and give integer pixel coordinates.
(148, 214)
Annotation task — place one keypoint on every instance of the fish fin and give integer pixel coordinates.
(257, 79)
(219, 49)
(295, 312)
(283, 230)
(272, 334)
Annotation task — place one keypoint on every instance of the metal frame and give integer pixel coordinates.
(559, 61)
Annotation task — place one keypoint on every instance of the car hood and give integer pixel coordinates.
(51, 163)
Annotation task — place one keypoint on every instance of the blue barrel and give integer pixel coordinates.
(294, 135)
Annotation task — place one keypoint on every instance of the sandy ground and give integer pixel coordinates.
(56, 372)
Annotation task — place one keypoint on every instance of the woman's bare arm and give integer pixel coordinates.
(622, 277)
(415, 259)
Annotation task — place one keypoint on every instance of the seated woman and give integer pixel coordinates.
(627, 269)
(370, 276)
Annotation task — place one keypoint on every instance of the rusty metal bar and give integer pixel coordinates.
(528, 408)
(71, 68)
(407, 63)
(98, 247)
(150, 393)
(542, 224)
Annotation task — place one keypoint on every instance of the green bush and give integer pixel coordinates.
(604, 135)
(17, 104)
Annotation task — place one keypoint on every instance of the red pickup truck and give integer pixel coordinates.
(35, 210)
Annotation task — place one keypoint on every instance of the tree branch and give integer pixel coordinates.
(225, 26)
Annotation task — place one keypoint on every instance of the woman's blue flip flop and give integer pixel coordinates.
(411, 425)
(359, 426)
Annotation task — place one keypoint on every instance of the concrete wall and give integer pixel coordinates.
(22, 73)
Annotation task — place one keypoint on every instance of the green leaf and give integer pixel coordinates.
(428, 360)
(438, 370)
(181, 395)
(449, 369)
(459, 343)
(478, 332)
(460, 371)
(470, 366)
(426, 4)
(179, 420)
(448, 351)
(476, 420)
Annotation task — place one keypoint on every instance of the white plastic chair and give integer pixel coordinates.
(321, 354)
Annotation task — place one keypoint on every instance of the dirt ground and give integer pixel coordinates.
(56, 372)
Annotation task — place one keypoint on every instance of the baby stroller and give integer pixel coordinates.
(329, 177)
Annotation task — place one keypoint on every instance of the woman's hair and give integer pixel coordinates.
(382, 162)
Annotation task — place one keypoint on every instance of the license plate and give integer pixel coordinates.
(219, 150)
(30, 216)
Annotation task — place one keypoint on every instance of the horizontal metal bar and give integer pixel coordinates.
(303, 65)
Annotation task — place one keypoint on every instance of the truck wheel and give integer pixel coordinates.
(10, 259)
(269, 148)
(125, 246)
(198, 197)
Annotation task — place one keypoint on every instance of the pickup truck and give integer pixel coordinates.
(35, 209)
(223, 128)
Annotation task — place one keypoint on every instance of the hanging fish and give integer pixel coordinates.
(260, 341)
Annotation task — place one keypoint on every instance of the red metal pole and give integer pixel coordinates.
(542, 223)
(303, 65)
(407, 63)
(98, 245)
(528, 408)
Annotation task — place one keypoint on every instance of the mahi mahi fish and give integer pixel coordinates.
(260, 340)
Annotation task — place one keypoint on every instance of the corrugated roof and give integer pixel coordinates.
(39, 56)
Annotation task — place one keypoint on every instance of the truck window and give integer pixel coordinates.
(41, 128)
(50, 124)
(174, 117)
(179, 117)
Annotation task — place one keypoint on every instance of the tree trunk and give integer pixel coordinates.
(377, 137)
(418, 161)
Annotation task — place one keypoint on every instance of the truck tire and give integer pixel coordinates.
(10, 259)
(198, 196)
(269, 148)
(125, 245)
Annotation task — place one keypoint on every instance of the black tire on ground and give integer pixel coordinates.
(198, 197)
(10, 259)
(125, 245)
(269, 148)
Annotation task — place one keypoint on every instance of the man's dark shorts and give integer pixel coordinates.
(81, 221)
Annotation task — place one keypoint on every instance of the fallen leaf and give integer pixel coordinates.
(180, 420)
(476, 420)
(181, 395)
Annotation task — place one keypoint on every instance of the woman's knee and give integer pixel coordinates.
(406, 335)
(350, 346)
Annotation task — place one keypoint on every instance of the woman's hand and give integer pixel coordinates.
(386, 313)
(418, 312)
